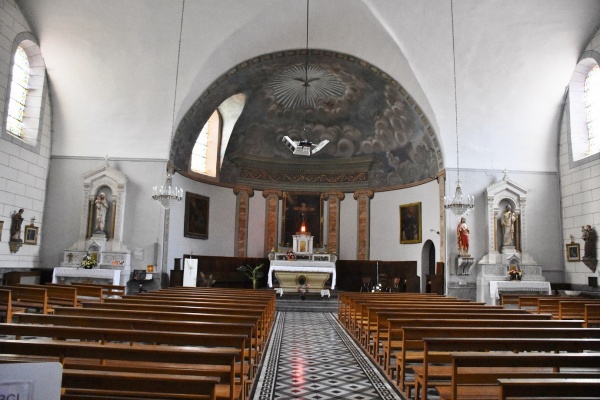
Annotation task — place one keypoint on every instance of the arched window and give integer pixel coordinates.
(205, 152)
(18, 92)
(26, 98)
(583, 125)
(209, 149)
(592, 108)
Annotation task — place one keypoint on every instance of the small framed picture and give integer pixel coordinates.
(573, 252)
(31, 234)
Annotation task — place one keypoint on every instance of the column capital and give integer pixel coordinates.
(359, 193)
(271, 193)
(339, 195)
(243, 189)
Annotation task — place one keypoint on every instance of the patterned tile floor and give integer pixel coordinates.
(311, 357)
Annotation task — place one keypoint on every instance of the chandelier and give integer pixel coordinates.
(305, 147)
(167, 195)
(458, 203)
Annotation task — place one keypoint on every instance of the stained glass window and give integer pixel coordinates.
(592, 108)
(204, 153)
(18, 92)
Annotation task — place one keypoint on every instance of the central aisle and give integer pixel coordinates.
(310, 356)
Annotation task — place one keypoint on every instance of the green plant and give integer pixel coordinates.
(253, 273)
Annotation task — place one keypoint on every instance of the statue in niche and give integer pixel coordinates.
(508, 225)
(101, 207)
(589, 239)
(462, 237)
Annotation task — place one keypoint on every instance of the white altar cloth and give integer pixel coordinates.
(496, 287)
(112, 274)
(302, 266)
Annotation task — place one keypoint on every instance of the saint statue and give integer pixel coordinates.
(15, 227)
(508, 225)
(101, 207)
(462, 237)
(589, 239)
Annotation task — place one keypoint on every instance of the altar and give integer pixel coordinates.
(501, 287)
(94, 275)
(315, 273)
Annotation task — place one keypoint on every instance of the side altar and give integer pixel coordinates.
(508, 256)
(301, 268)
(100, 232)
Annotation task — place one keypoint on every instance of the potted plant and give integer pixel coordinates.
(253, 273)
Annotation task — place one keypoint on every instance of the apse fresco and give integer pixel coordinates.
(378, 137)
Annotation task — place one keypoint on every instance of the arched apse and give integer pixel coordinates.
(379, 137)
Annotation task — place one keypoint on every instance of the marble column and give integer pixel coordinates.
(363, 198)
(442, 192)
(242, 204)
(271, 216)
(333, 220)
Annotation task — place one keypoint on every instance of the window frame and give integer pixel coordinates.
(33, 119)
(577, 129)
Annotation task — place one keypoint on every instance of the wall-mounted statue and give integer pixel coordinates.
(589, 239)
(462, 237)
(15, 227)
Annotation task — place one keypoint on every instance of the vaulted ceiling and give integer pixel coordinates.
(124, 84)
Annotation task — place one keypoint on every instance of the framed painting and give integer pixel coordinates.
(410, 223)
(31, 234)
(302, 209)
(573, 252)
(196, 216)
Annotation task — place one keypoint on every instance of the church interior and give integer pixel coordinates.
(443, 147)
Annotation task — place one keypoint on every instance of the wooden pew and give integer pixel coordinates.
(555, 388)
(96, 385)
(374, 329)
(64, 296)
(129, 323)
(459, 387)
(30, 298)
(241, 304)
(522, 301)
(574, 309)
(367, 323)
(84, 293)
(107, 290)
(592, 315)
(257, 340)
(446, 349)
(138, 337)
(393, 335)
(393, 349)
(89, 353)
(413, 338)
(6, 305)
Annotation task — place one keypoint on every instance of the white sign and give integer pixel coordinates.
(190, 271)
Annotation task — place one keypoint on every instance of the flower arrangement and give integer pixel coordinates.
(515, 274)
(253, 273)
(88, 262)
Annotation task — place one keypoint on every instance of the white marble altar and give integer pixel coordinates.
(302, 266)
(499, 287)
(68, 275)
